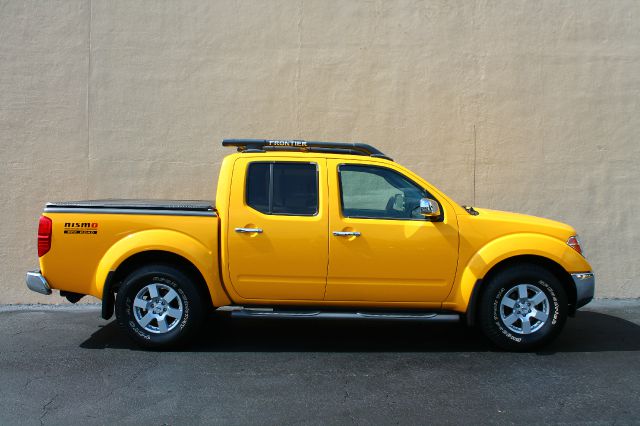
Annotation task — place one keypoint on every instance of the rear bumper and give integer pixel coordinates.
(37, 283)
(585, 287)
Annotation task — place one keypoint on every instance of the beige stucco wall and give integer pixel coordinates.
(529, 106)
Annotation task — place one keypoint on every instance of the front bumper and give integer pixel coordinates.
(36, 282)
(585, 287)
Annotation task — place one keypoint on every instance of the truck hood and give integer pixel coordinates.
(508, 222)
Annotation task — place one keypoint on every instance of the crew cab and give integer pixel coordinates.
(314, 230)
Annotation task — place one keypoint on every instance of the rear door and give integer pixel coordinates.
(277, 236)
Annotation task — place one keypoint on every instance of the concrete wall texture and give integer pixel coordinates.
(528, 106)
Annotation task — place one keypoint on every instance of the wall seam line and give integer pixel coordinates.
(298, 68)
(88, 104)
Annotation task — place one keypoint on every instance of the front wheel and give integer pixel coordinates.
(159, 306)
(523, 308)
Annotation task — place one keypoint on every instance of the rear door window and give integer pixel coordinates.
(283, 188)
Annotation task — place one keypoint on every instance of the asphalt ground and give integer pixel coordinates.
(68, 366)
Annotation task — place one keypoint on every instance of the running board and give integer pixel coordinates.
(240, 312)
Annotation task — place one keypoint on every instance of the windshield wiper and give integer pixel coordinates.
(471, 210)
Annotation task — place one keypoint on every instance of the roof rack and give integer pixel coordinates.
(262, 145)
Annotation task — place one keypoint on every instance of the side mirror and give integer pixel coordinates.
(429, 208)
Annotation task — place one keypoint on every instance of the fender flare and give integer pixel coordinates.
(510, 246)
(183, 245)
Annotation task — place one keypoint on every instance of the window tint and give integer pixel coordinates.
(377, 192)
(258, 186)
(283, 188)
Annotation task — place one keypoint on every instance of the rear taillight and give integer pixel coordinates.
(574, 243)
(44, 235)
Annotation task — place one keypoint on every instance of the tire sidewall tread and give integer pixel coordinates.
(504, 281)
(183, 284)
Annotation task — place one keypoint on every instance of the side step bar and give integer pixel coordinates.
(241, 312)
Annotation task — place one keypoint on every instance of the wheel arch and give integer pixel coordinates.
(555, 268)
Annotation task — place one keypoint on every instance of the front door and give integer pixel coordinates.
(380, 248)
(277, 236)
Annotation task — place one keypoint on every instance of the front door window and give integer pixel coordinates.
(380, 193)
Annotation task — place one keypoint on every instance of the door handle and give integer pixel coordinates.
(249, 230)
(346, 233)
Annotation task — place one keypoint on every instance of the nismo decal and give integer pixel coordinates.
(80, 227)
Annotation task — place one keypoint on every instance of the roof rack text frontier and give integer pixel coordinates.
(263, 145)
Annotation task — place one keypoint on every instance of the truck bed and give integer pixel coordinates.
(93, 237)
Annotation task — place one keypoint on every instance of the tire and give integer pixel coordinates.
(159, 306)
(507, 320)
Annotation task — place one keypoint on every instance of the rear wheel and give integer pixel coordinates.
(523, 308)
(159, 306)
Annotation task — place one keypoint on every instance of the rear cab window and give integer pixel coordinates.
(283, 188)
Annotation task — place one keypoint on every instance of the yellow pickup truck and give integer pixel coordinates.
(314, 230)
